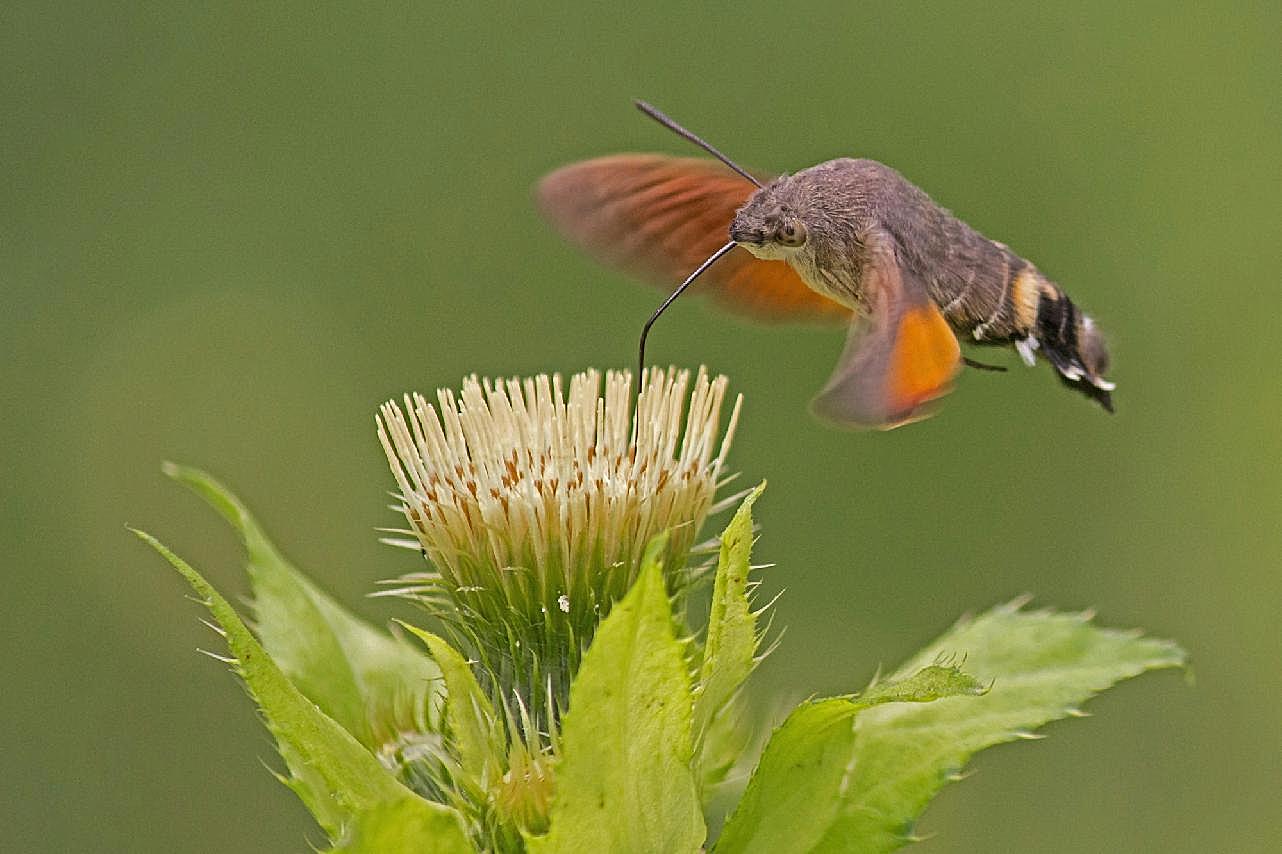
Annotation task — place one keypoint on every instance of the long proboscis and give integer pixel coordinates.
(672, 297)
(669, 123)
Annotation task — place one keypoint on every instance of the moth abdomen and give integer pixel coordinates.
(1014, 312)
(998, 297)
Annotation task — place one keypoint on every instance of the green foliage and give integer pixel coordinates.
(624, 783)
(402, 826)
(731, 647)
(371, 683)
(795, 794)
(827, 784)
(1041, 665)
(649, 719)
(476, 732)
(728, 656)
(341, 782)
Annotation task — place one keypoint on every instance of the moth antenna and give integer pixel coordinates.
(645, 330)
(656, 114)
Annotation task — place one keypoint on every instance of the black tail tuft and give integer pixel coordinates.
(1073, 344)
(1102, 396)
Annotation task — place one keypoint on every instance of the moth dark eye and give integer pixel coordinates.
(792, 233)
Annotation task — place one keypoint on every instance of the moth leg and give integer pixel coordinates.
(982, 366)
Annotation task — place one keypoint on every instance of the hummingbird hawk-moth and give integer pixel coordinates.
(848, 240)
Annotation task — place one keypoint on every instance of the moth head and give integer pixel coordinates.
(769, 227)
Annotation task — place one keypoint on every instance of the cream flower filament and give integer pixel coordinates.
(520, 491)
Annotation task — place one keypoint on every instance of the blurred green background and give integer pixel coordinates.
(228, 231)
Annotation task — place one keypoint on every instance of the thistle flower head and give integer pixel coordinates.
(534, 505)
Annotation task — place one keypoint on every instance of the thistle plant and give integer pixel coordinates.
(534, 509)
(560, 694)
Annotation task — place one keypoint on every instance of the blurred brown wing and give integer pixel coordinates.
(659, 217)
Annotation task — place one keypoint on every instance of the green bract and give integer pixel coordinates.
(565, 701)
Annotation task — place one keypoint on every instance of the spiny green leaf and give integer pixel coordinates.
(336, 777)
(624, 782)
(732, 627)
(475, 730)
(729, 745)
(1041, 666)
(370, 682)
(403, 826)
(932, 682)
(795, 794)
(729, 656)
